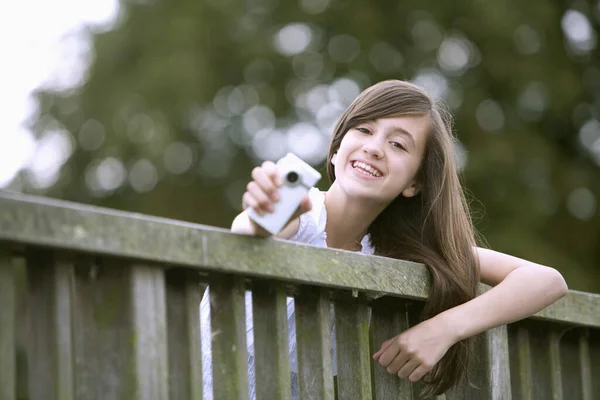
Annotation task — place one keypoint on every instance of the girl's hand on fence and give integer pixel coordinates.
(414, 352)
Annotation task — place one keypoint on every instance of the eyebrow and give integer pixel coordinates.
(404, 132)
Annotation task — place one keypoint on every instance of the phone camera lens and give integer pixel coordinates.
(292, 177)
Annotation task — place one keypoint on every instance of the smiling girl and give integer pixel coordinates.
(395, 192)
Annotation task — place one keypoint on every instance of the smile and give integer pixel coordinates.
(366, 169)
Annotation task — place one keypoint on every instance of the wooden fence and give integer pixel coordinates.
(100, 304)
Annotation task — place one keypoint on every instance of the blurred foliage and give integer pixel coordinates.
(167, 120)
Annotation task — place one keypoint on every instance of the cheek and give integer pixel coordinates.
(346, 145)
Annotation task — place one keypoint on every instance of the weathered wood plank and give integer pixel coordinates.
(149, 332)
(313, 339)
(8, 351)
(539, 353)
(497, 364)
(271, 354)
(184, 292)
(569, 374)
(63, 320)
(104, 340)
(594, 344)
(229, 353)
(353, 350)
(75, 226)
(48, 222)
(489, 369)
(585, 364)
(389, 317)
(50, 341)
(520, 363)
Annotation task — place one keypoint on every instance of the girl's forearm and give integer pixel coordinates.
(523, 292)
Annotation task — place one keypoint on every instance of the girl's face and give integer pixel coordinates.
(378, 160)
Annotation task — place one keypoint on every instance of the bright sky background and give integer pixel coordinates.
(39, 46)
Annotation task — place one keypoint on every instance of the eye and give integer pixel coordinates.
(398, 145)
(363, 130)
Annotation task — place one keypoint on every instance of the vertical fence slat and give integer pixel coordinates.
(50, 341)
(149, 330)
(567, 350)
(594, 344)
(489, 369)
(389, 317)
(40, 356)
(353, 352)
(313, 341)
(63, 297)
(104, 341)
(229, 353)
(8, 355)
(184, 293)
(271, 354)
(520, 363)
(585, 364)
(497, 364)
(541, 365)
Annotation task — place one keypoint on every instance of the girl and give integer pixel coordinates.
(395, 192)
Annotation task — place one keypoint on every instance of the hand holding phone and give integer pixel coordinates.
(277, 190)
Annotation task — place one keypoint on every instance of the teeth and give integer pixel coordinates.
(366, 168)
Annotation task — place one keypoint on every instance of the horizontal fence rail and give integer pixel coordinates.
(97, 303)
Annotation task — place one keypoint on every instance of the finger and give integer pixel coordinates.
(305, 206)
(250, 202)
(262, 177)
(264, 202)
(272, 172)
(389, 354)
(419, 372)
(383, 348)
(397, 363)
(408, 368)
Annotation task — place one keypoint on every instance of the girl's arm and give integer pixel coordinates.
(242, 224)
(262, 192)
(521, 288)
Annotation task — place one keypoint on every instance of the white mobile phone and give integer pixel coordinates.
(298, 178)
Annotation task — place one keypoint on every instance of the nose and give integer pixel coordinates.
(373, 149)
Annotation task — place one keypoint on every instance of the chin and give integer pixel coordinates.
(357, 191)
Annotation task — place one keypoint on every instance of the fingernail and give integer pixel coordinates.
(275, 196)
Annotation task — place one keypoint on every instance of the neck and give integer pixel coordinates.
(348, 218)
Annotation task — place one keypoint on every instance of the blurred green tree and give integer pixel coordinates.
(184, 97)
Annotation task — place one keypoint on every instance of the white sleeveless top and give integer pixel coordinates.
(312, 225)
(310, 231)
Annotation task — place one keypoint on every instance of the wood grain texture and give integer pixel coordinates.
(313, 339)
(50, 339)
(184, 292)
(149, 332)
(48, 222)
(271, 350)
(389, 317)
(229, 353)
(353, 350)
(8, 351)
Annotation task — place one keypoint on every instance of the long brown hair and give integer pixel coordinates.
(433, 227)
